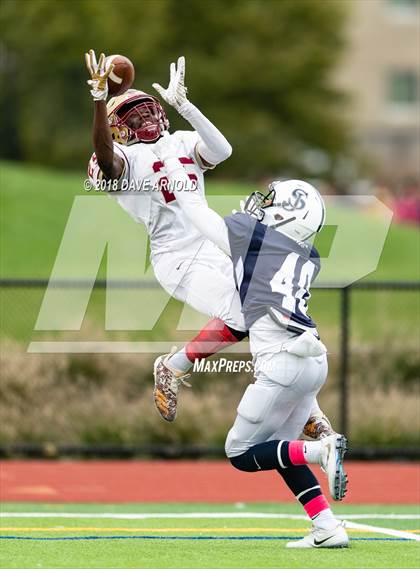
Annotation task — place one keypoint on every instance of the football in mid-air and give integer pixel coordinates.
(121, 77)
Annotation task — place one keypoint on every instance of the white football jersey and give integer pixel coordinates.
(143, 195)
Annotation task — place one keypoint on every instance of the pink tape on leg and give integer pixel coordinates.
(316, 505)
(296, 453)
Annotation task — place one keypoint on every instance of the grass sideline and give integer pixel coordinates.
(35, 204)
(34, 207)
(122, 544)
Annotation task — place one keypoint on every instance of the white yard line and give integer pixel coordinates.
(230, 515)
(382, 517)
(169, 516)
(197, 515)
(386, 531)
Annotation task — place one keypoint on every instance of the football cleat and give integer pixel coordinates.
(317, 427)
(334, 538)
(331, 461)
(167, 383)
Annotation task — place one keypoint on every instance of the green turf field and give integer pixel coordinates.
(225, 538)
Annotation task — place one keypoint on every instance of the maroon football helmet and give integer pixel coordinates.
(135, 117)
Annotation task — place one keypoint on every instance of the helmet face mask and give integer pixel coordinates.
(256, 202)
(136, 117)
(293, 208)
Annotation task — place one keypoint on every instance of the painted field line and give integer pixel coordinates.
(386, 531)
(198, 515)
(71, 529)
(374, 529)
(183, 538)
(157, 530)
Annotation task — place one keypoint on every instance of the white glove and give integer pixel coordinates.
(176, 93)
(99, 75)
(242, 206)
(213, 147)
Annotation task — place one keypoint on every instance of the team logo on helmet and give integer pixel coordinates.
(296, 201)
(119, 134)
(292, 207)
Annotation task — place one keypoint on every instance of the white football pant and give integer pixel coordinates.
(204, 280)
(279, 403)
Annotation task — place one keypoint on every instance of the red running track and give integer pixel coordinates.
(189, 481)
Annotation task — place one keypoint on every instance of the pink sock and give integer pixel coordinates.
(316, 505)
(296, 454)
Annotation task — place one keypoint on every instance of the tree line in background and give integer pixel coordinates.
(260, 69)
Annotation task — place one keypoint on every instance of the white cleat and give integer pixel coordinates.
(331, 461)
(334, 538)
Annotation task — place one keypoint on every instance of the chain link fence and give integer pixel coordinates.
(370, 328)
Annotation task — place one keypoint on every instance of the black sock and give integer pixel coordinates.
(263, 456)
(301, 480)
(259, 457)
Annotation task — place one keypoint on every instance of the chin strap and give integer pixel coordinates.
(282, 222)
